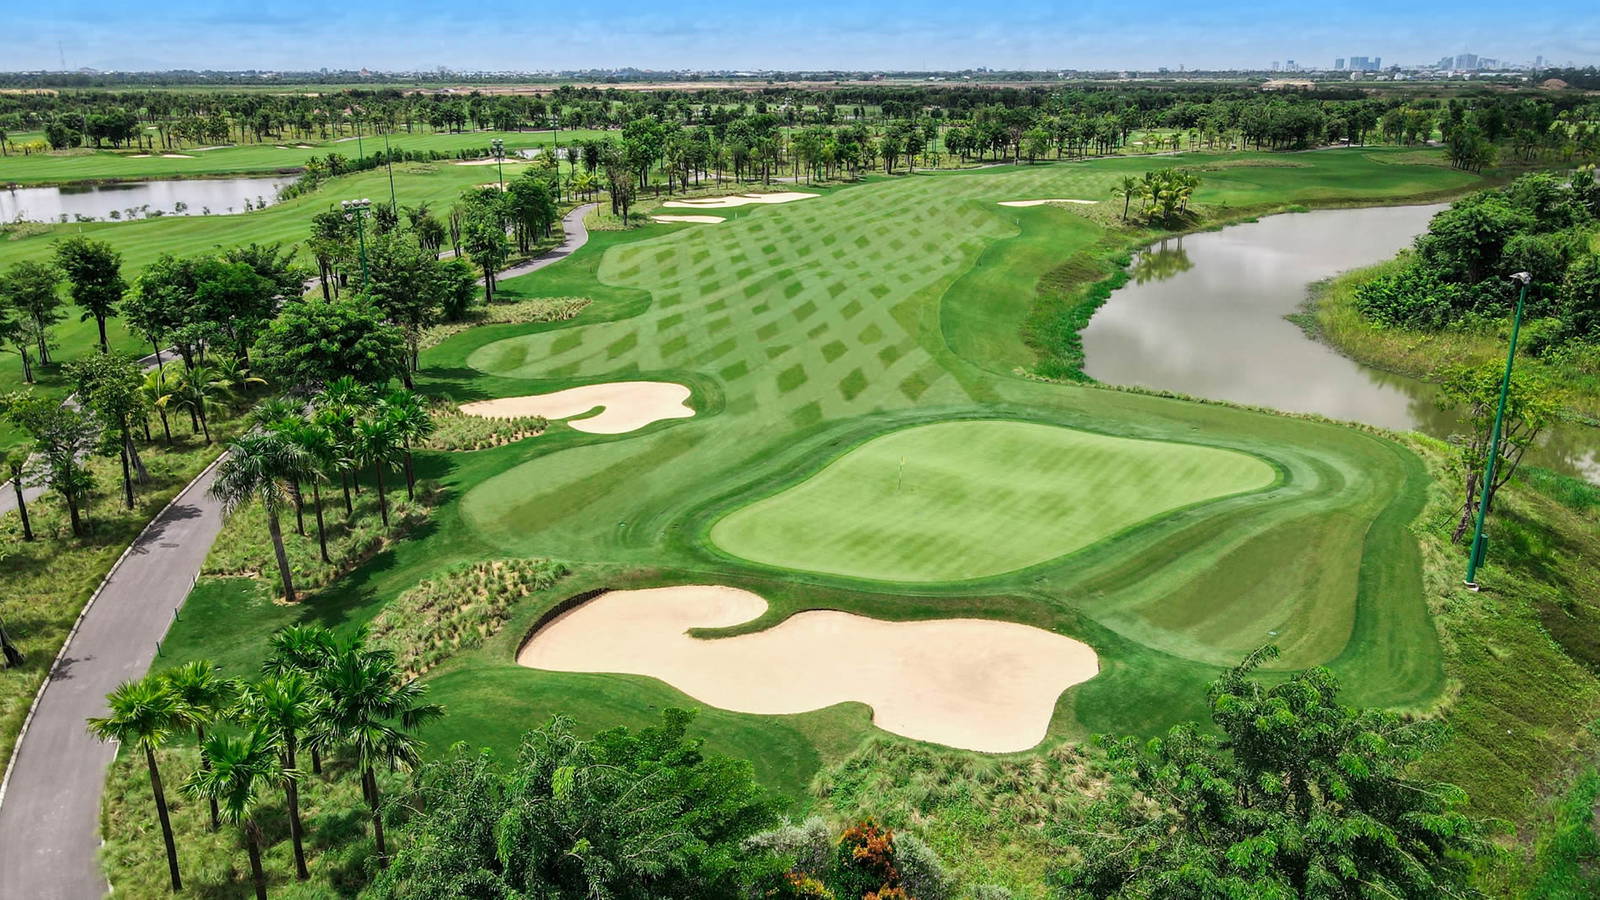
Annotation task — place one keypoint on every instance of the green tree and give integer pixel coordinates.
(30, 288)
(1294, 795)
(111, 386)
(1127, 188)
(1474, 392)
(373, 710)
(16, 461)
(144, 714)
(203, 695)
(376, 443)
(62, 434)
(305, 649)
(260, 467)
(409, 416)
(234, 772)
(94, 278)
(314, 342)
(483, 234)
(625, 815)
(285, 706)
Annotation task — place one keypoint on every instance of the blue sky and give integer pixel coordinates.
(820, 34)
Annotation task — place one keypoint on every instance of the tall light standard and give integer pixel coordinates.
(1475, 551)
(388, 159)
(357, 210)
(499, 148)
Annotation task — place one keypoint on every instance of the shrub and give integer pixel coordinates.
(455, 430)
(864, 863)
(457, 609)
(809, 844)
(921, 872)
(989, 892)
(540, 309)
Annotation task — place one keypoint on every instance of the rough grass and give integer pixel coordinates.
(458, 609)
(44, 584)
(214, 864)
(244, 550)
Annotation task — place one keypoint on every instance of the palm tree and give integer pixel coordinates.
(282, 415)
(305, 649)
(157, 396)
(285, 706)
(316, 441)
(339, 405)
(405, 411)
(372, 711)
(234, 378)
(1127, 189)
(145, 713)
(376, 444)
(260, 467)
(203, 696)
(233, 773)
(199, 389)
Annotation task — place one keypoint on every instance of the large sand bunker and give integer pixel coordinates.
(628, 405)
(739, 200)
(698, 220)
(971, 683)
(1043, 202)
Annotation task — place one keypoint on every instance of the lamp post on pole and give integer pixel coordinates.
(1475, 550)
(357, 209)
(499, 148)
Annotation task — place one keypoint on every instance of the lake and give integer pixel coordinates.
(1205, 315)
(138, 199)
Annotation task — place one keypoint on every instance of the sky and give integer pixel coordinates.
(817, 34)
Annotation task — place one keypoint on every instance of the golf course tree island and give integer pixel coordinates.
(835, 414)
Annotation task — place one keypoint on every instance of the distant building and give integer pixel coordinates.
(1338, 64)
(1466, 62)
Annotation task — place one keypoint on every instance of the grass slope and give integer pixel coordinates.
(972, 499)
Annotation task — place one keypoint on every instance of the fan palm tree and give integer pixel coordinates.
(285, 706)
(234, 772)
(377, 442)
(145, 713)
(260, 467)
(305, 649)
(371, 710)
(203, 696)
(406, 412)
(199, 389)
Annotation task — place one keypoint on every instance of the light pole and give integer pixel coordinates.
(499, 148)
(388, 159)
(357, 209)
(1475, 550)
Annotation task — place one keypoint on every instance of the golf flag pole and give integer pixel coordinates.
(1475, 549)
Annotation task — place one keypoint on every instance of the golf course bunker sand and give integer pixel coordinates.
(628, 405)
(699, 220)
(976, 684)
(1043, 202)
(739, 200)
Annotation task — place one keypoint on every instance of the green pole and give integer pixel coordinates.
(1494, 436)
(388, 158)
(361, 237)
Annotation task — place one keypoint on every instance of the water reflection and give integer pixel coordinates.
(1206, 315)
(139, 199)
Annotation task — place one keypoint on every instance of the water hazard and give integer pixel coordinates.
(1206, 315)
(140, 199)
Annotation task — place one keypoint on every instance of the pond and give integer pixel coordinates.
(140, 199)
(1206, 315)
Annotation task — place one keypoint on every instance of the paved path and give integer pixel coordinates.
(50, 800)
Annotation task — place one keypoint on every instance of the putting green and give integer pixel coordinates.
(956, 501)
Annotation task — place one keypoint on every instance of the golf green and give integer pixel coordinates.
(961, 500)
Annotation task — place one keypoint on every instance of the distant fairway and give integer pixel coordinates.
(963, 500)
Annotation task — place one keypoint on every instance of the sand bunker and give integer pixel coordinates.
(971, 683)
(739, 200)
(1043, 202)
(176, 156)
(702, 220)
(140, 156)
(629, 405)
(484, 162)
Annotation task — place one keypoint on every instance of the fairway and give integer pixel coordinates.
(967, 500)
